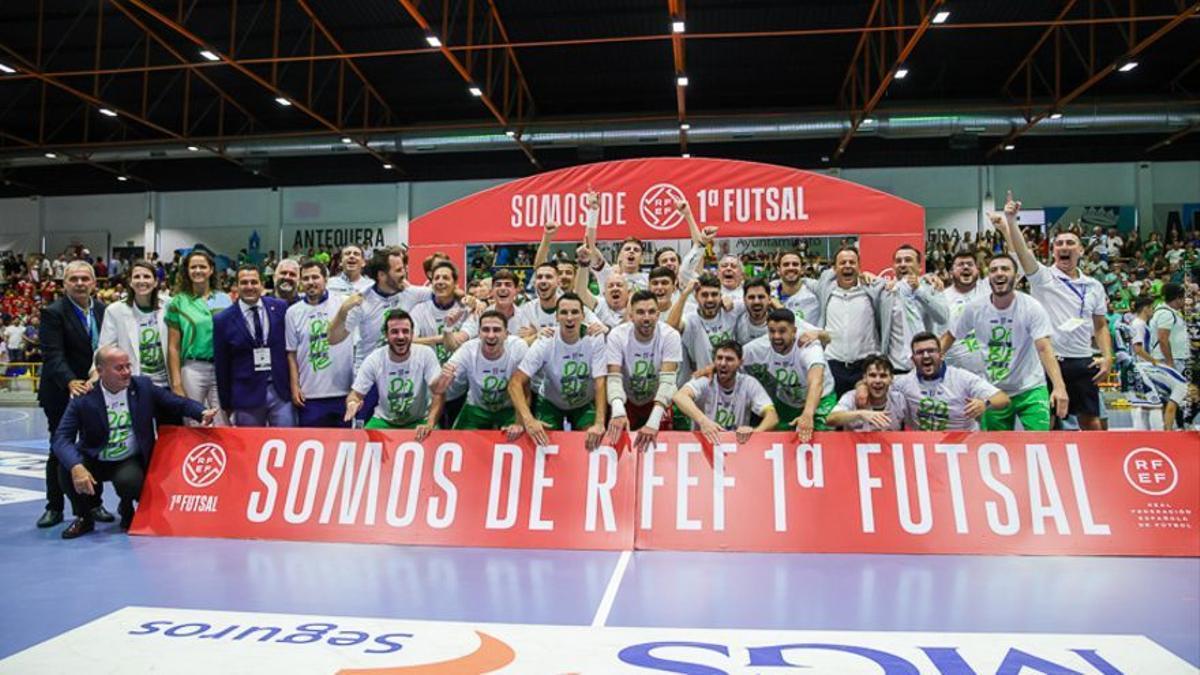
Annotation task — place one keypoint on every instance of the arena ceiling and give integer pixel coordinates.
(116, 95)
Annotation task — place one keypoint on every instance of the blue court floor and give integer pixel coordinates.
(50, 586)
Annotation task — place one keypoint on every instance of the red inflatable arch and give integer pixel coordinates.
(744, 199)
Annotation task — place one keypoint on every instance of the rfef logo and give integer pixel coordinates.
(658, 206)
(203, 465)
(1150, 471)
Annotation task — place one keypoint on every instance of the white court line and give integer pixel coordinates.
(610, 592)
(22, 416)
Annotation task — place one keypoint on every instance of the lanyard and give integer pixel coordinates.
(1081, 294)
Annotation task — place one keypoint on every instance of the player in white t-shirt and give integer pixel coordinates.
(572, 368)
(727, 400)
(966, 287)
(485, 365)
(440, 322)
(363, 312)
(504, 298)
(731, 275)
(883, 408)
(352, 279)
(1077, 306)
(1014, 332)
(539, 317)
(939, 397)
(643, 359)
(610, 308)
(794, 291)
(405, 375)
(708, 325)
(794, 372)
(321, 373)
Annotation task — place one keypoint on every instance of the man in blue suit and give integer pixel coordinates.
(250, 357)
(108, 434)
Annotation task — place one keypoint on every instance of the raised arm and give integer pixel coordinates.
(337, 328)
(1006, 224)
(543, 249)
(675, 316)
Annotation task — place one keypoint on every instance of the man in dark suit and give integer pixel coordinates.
(250, 357)
(69, 332)
(108, 434)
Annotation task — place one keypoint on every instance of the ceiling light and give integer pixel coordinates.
(685, 126)
(51, 155)
(868, 120)
(1010, 146)
(209, 55)
(677, 26)
(194, 148)
(388, 166)
(433, 40)
(347, 140)
(510, 133)
(825, 158)
(1056, 116)
(282, 101)
(1128, 66)
(108, 113)
(901, 73)
(687, 155)
(682, 80)
(122, 178)
(941, 16)
(475, 91)
(7, 69)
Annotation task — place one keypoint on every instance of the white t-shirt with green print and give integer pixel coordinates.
(785, 376)
(567, 371)
(121, 442)
(938, 404)
(403, 386)
(641, 362)
(1006, 338)
(730, 408)
(325, 370)
(487, 380)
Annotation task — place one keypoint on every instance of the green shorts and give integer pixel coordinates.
(474, 417)
(1031, 407)
(553, 417)
(381, 423)
(788, 414)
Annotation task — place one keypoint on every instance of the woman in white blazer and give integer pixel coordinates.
(136, 324)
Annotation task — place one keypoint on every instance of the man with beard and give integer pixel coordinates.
(752, 323)
(572, 369)
(320, 373)
(939, 397)
(250, 356)
(1077, 306)
(964, 271)
(727, 400)
(484, 365)
(351, 279)
(883, 408)
(643, 359)
(287, 281)
(406, 374)
(862, 318)
(706, 327)
(794, 290)
(1014, 326)
(364, 312)
(439, 321)
(924, 308)
(610, 307)
(794, 374)
(629, 257)
(539, 317)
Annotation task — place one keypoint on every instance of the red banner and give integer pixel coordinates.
(455, 489)
(638, 197)
(1067, 493)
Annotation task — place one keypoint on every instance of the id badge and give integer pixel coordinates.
(1071, 324)
(262, 358)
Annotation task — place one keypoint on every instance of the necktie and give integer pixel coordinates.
(258, 327)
